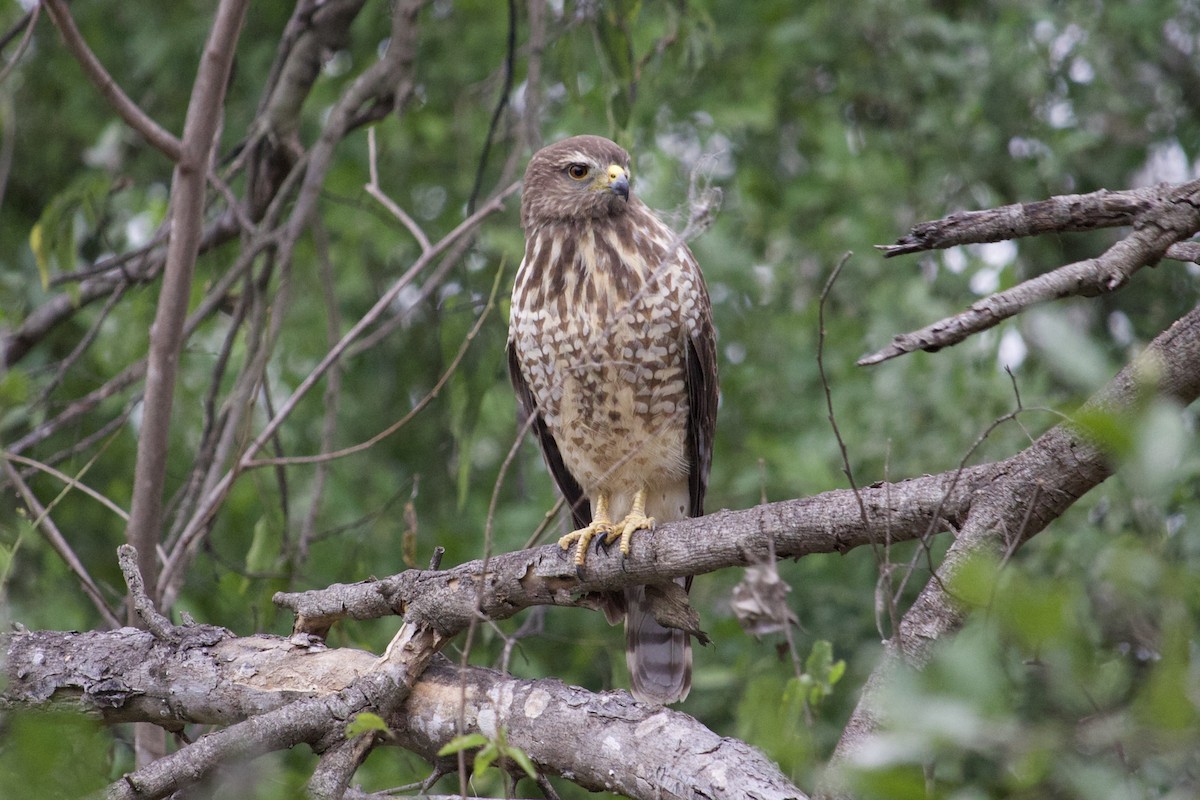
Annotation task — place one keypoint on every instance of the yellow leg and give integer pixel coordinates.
(636, 520)
(582, 538)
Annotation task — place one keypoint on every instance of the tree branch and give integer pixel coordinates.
(274, 694)
(1034, 488)
(154, 134)
(187, 208)
(826, 523)
(1063, 213)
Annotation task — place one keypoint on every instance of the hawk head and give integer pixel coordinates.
(584, 177)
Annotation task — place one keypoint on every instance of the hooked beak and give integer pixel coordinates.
(617, 181)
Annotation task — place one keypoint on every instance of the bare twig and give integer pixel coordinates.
(332, 398)
(375, 190)
(847, 470)
(154, 622)
(114, 262)
(510, 55)
(28, 22)
(64, 366)
(71, 482)
(412, 412)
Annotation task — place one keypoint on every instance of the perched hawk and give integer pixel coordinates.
(611, 350)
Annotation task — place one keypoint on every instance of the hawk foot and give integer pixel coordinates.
(582, 539)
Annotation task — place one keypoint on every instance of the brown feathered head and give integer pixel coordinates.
(584, 177)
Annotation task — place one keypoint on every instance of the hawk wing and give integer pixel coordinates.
(581, 510)
(702, 390)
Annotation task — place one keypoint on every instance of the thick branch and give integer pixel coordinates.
(288, 694)
(1174, 217)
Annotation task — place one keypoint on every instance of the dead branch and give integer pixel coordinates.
(1068, 212)
(1160, 219)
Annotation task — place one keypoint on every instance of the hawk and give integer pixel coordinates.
(612, 352)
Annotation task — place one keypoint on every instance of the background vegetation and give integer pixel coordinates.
(828, 128)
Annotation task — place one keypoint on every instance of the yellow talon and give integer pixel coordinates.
(609, 532)
(582, 538)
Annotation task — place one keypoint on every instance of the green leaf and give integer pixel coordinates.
(265, 547)
(1107, 429)
(7, 554)
(75, 210)
(37, 243)
(523, 760)
(365, 722)
(53, 754)
(974, 584)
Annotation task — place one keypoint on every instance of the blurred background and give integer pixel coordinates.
(828, 128)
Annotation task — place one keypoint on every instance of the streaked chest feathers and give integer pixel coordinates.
(602, 332)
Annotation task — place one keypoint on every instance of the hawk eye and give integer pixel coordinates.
(578, 171)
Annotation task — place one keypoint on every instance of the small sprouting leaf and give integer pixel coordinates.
(464, 742)
(485, 757)
(820, 659)
(365, 722)
(264, 547)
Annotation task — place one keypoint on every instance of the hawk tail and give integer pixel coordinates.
(659, 658)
